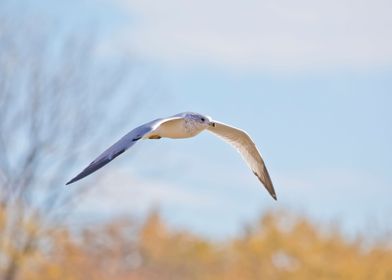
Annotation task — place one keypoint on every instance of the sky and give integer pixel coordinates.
(310, 81)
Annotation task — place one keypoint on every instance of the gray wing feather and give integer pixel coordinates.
(248, 150)
(118, 148)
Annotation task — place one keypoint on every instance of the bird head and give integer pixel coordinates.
(204, 120)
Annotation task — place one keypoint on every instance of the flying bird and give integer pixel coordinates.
(186, 125)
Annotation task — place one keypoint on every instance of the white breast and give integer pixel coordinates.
(182, 128)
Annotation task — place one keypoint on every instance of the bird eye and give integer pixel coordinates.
(203, 119)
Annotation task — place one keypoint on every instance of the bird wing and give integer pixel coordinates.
(248, 150)
(121, 146)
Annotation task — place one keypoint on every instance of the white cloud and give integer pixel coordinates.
(261, 34)
(336, 191)
(121, 192)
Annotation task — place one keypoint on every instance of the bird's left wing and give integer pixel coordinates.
(121, 146)
(247, 148)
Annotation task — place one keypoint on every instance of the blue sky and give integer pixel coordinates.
(310, 82)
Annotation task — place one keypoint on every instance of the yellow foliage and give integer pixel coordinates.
(278, 246)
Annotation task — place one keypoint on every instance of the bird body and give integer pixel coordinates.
(186, 125)
(183, 125)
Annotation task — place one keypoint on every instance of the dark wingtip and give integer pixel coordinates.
(77, 178)
(268, 185)
(70, 182)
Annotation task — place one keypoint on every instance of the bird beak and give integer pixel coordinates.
(211, 124)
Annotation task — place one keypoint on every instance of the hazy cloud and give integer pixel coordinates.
(261, 34)
(120, 191)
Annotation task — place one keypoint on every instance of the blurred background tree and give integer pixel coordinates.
(57, 93)
(277, 246)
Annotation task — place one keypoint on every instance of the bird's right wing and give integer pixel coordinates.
(248, 150)
(121, 146)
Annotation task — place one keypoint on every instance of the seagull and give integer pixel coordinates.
(186, 125)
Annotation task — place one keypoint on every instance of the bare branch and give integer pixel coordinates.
(57, 95)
